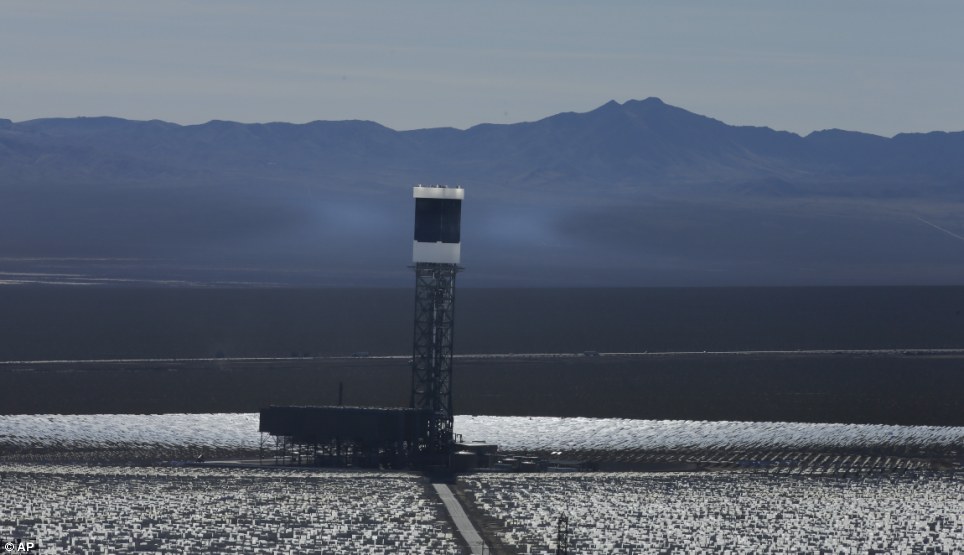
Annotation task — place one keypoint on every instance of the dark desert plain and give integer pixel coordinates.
(887, 355)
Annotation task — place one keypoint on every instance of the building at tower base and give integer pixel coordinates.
(417, 436)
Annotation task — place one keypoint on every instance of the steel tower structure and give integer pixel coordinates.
(436, 254)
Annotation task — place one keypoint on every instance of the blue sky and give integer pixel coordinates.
(877, 66)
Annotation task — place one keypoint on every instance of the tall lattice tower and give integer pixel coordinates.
(436, 253)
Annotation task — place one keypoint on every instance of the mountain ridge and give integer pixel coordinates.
(643, 142)
(632, 193)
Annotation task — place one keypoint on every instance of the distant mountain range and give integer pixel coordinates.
(639, 193)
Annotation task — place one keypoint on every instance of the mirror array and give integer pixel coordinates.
(511, 433)
(90, 509)
(725, 512)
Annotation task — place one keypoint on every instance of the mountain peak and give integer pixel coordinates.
(650, 102)
(611, 106)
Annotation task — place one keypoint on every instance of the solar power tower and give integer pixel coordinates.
(436, 252)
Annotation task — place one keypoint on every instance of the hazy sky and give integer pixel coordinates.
(879, 66)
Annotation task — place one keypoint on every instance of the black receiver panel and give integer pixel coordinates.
(438, 220)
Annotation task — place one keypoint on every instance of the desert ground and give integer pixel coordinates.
(881, 387)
